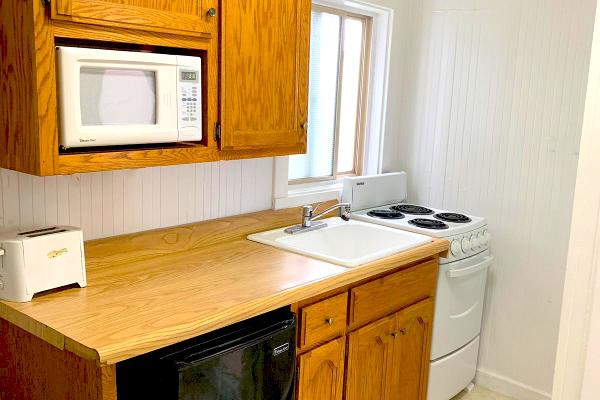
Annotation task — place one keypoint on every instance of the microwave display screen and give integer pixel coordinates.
(189, 76)
(110, 96)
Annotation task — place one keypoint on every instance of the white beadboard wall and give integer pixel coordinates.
(117, 202)
(493, 106)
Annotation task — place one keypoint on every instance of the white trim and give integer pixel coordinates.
(509, 387)
(379, 70)
(577, 369)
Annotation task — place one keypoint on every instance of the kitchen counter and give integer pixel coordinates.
(153, 289)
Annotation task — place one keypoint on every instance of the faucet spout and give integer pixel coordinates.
(344, 212)
(309, 219)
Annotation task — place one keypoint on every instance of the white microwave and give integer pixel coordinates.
(113, 98)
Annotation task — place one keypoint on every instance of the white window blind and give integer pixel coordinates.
(337, 60)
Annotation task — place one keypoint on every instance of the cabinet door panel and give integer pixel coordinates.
(370, 361)
(411, 351)
(264, 79)
(389, 358)
(177, 15)
(322, 372)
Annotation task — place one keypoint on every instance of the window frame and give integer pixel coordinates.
(363, 96)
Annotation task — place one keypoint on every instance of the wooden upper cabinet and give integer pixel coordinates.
(322, 372)
(264, 77)
(186, 16)
(395, 352)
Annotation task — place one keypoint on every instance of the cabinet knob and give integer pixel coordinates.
(329, 321)
(212, 12)
(304, 126)
(401, 332)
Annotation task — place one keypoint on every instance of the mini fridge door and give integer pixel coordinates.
(261, 368)
(251, 360)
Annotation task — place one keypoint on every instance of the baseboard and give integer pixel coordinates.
(509, 387)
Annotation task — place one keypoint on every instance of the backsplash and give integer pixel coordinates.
(117, 202)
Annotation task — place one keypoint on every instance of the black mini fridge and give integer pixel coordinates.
(251, 360)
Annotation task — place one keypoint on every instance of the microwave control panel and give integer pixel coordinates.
(189, 97)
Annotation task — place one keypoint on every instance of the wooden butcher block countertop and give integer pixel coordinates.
(150, 290)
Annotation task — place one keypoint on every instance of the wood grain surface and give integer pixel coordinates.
(322, 372)
(323, 320)
(27, 81)
(395, 352)
(188, 16)
(392, 292)
(149, 297)
(32, 369)
(264, 79)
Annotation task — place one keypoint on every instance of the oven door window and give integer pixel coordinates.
(111, 96)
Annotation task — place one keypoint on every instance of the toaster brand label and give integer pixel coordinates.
(281, 349)
(57, 253)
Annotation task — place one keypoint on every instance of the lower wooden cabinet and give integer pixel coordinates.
(383, 346)
(322, 372)
(389, 358)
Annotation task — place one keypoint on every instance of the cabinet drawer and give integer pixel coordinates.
(392, 292)
(323, 320)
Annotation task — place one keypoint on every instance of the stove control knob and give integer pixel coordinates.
(483, 241)
(455, 248)
(488, 236)
(465, 244)
(474, 242)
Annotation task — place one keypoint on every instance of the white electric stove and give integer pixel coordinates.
(461, 280)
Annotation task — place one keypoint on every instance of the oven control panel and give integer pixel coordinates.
(467, 244)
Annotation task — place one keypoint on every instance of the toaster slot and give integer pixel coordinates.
(46, 233)
(37, 231)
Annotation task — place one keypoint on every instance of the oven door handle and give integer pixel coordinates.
(458, 273)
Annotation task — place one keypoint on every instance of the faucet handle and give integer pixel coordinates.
(345, 211)
(307, 211)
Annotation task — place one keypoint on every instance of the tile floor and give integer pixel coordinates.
(480, 393)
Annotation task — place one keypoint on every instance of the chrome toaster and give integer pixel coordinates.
(39, 260)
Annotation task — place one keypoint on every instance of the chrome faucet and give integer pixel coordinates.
(309, 219)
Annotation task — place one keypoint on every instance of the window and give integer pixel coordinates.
(337, 97)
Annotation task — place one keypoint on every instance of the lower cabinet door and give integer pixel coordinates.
(371, 361)
(389, 358)
(412, 347)
(322, 372)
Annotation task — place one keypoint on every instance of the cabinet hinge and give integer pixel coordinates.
(46, 3)
(217, 131)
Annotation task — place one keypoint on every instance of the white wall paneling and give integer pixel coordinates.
(578, 358)
(494, 93)
(118, 202)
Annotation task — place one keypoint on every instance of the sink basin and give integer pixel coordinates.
(347, 243)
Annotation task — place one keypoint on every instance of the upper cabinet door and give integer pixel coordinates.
(264, 80)
(185, 16)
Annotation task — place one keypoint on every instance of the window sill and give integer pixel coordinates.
(309, 193)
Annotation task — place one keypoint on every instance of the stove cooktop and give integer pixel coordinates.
(419, 219)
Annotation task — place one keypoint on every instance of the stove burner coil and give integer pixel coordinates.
(428, 224)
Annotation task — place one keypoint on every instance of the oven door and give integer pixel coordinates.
(459, 303)
(110, 98)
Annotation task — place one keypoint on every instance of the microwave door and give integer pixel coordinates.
(118, 102)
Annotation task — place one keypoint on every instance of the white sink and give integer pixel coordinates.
(347, 243)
